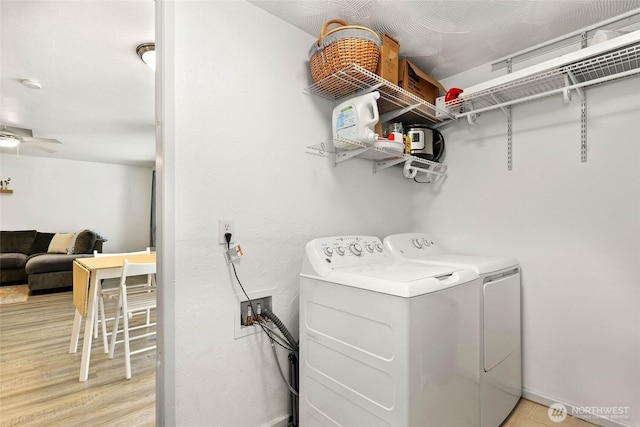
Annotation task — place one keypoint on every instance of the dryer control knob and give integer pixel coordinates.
(417, 243)
(328, 251)
(378, 247)
(355, 249)
(369, 247)
(340, 250)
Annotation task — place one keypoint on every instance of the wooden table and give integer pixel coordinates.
(87, 275)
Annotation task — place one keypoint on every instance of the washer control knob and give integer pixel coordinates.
(369, 247)
(417, 243)
(355, 249)
(340, 250)
(378, 247)
(328, 251)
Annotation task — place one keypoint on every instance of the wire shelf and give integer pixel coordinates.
(413, 165)
(394, 101)
(554, 77)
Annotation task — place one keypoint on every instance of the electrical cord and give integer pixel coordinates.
(227, 237)
(271, 334)
(264, 329)
(276, 336)
(290, 339)
(421, 182)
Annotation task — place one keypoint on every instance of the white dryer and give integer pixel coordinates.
(385, 342)
(501, 353)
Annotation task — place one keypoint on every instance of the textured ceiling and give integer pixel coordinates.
(445, 37)
(97, 97)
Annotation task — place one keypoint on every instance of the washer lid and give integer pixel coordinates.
(399, 278)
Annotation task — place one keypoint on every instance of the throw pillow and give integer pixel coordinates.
(84, 243)
(72, 243)
(42, 242)
(17, 241)
(59, 243)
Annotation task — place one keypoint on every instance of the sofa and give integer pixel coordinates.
(44, 260)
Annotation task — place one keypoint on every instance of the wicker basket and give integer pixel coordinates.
(341, 47)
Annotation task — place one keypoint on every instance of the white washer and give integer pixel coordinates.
(385, 342)
(501, 353)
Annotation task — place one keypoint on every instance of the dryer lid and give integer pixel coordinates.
(422, 247)
(400, 271)
(477, 263)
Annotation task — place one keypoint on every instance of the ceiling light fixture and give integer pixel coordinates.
(32, 84)
(8, 141)
(147, 52)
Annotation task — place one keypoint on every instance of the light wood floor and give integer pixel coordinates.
(531, 414)
(39, 377)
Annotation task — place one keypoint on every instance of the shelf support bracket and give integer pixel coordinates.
(509, 127)
(346, 155)
(574, 81)
(384, 164)
(566, 94)
(386, 117)
(583, 113)
(471, 116)
(367, 90)
(509, 140)
(504, 110)
(583, 129)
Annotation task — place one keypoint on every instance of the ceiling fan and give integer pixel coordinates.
(14, 137)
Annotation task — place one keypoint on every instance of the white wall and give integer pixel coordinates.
(575, 228)
(242, 122)
(63, 196)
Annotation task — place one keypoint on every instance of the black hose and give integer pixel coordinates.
(293, 377)
(269, 315)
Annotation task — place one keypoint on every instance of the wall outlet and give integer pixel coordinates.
(226, 226)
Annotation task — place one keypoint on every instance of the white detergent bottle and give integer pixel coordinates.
(355, 120)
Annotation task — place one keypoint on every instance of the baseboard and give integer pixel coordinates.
(278, 422)
(548, 401)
